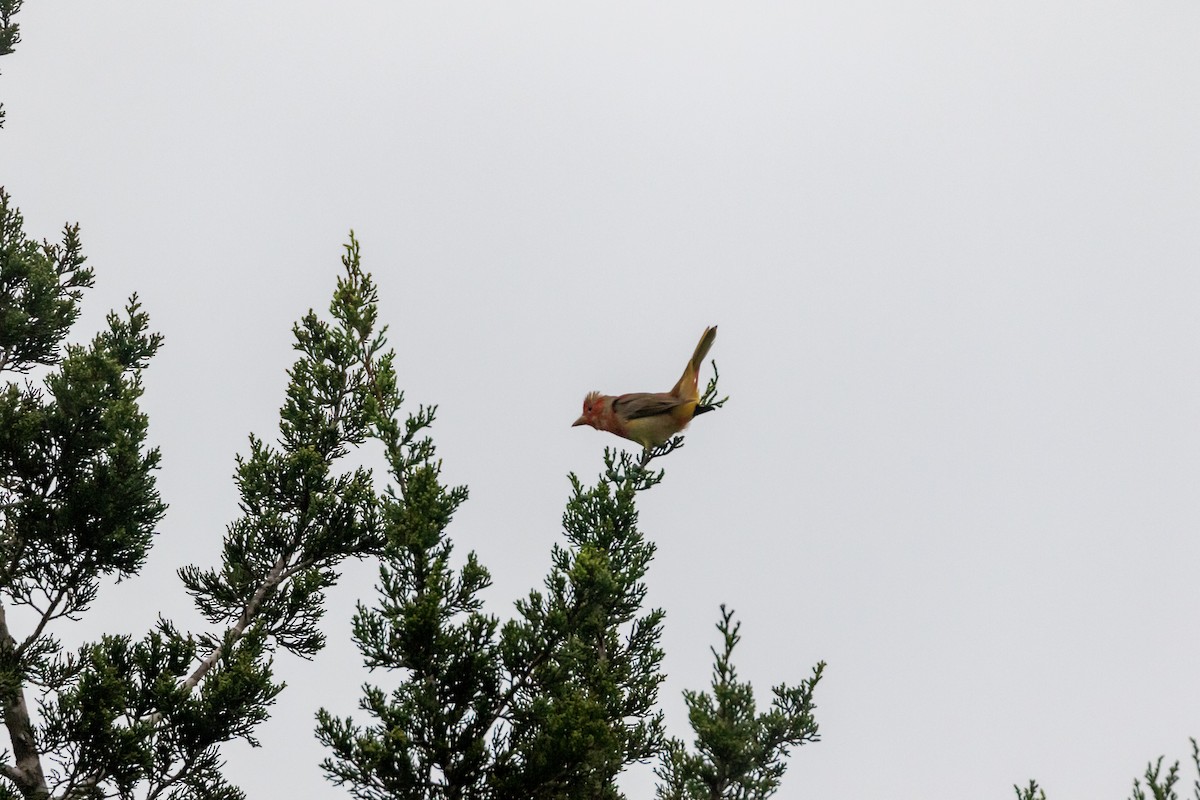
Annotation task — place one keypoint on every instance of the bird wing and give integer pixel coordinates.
(646, 404)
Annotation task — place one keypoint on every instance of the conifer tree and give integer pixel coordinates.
(740, 755)
(146, 716)
(1160, 785)
(9, 34)
(554, 703)
(77, 496)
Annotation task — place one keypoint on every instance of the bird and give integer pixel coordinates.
(650, 418)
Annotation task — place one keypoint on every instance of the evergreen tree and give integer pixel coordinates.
(556, 702)
(740, 755)
(78, 505)
(1159, 784)
(553, 704)
(77, 496)
(1030, 792)
(9, 34)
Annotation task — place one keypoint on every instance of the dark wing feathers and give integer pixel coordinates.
(645, 404)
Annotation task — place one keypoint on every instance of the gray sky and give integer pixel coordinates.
(953, 249)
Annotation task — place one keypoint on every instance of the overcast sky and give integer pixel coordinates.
(953, 249)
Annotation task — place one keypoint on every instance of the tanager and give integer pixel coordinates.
(650, 418)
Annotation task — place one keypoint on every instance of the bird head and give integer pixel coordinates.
(593, 404)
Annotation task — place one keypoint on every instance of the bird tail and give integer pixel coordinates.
(687, 387)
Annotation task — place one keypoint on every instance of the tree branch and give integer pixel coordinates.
(172, 779)
(10, 772)
(65, 588)
(27, 771)
(249, 613)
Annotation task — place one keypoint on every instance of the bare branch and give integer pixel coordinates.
(27, 771)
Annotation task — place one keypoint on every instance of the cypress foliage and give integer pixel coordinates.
(559, 700)
(1159, 785)
(78, 503)
(554, 703)
(739, 754)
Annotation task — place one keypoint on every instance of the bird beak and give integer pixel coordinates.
(580, 421)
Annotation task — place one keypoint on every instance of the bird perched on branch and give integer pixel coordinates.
(651, 418)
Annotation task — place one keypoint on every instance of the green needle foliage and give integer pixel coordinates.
(1162, 787)
(1030, 792)
(1159, 785)
(554, 703)
(78, 501)
(740, 755)
(9, 34)
(145, 716)
(583, 657)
